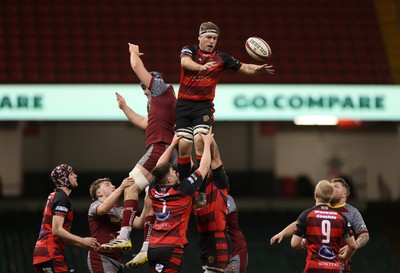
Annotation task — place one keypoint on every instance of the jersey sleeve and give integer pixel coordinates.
(188, 51)
(190, 185)
(347, 228)
(221, 180)
(230, 62)
(300, 228)
(357, 221)
(61, 204)
(93, 208)
(231, 205)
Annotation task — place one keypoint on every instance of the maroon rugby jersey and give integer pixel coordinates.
(171, 208)
(232, 227)
(357, 226)
(323, 228)
(161, 113)
(105, 227)
(48, 246)
(200, 85)
(212, 217)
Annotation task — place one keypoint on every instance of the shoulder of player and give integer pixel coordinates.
(60, 194)
(189, 49)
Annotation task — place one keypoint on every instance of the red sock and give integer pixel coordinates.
(129, 214)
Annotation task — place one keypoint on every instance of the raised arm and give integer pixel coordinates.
(138, 66)
(165, 157)
(110, 202)
(136, 119)
(215, 156)
(205, 162)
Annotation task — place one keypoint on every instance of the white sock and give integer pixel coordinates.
(125, 233)
(145, 246)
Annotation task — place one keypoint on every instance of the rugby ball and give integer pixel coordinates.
(258, 49)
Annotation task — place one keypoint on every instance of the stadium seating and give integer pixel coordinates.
(330, 41)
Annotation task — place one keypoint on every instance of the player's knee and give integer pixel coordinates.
(140, 179)
(186, 134)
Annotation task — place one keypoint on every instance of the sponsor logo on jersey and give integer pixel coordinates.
(326, 252)
(61, 208)
(159, 267)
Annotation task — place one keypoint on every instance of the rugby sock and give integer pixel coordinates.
(147, 232)
(129, 214)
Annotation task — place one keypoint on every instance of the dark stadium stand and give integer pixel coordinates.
(76, 41)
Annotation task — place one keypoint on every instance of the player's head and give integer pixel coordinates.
(324, 191)
(60, 175)
(208, 36)
(155, 74)
(95, 186)
(344, 187)
(165, 174)
(208, 27)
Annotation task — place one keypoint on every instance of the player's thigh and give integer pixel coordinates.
(150, 158)
(214, 249)
(165, 259)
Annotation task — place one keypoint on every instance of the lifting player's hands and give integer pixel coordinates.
(208, 138)
(175, 139)
(265, 68)
(127, 182)
(134, 49)
(121, 100)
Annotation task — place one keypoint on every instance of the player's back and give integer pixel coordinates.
(325, 228)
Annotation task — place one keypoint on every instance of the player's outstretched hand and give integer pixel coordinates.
(134, 49)
(266, 68)
(121, 100)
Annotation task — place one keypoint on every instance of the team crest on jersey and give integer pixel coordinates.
(326, 252)
(206, 118)
(232, 267)
(210, 259)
